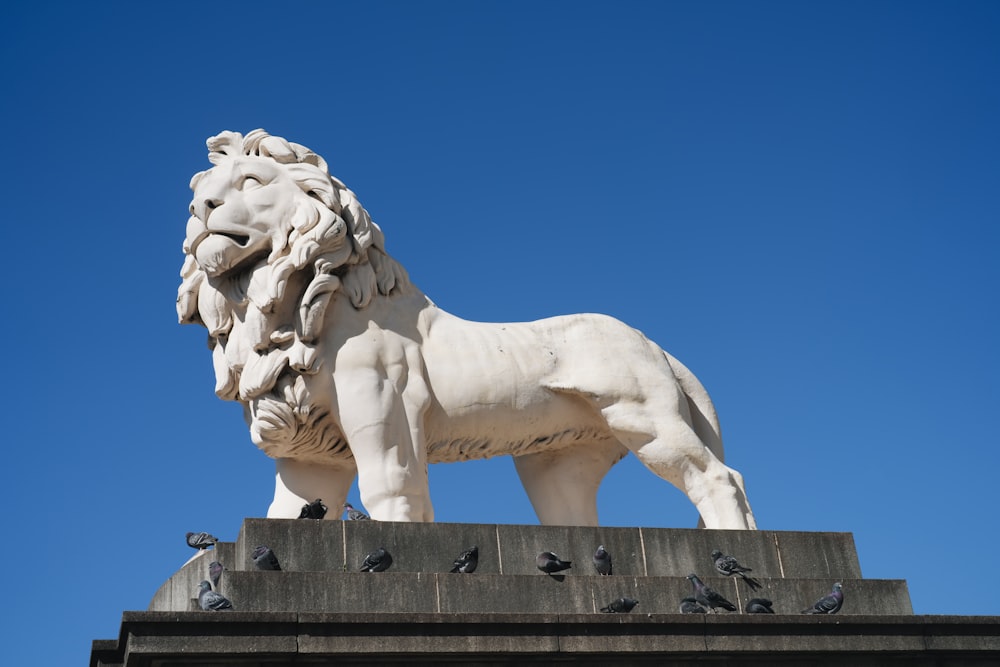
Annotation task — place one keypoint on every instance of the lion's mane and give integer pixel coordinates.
(265, 320)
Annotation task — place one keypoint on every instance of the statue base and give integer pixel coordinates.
(320, 607)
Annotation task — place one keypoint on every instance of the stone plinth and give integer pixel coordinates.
(320, 562)
(320, 608)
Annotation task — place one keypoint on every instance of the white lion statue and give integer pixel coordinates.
(345, 368)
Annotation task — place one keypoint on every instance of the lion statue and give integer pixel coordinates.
(345, 368)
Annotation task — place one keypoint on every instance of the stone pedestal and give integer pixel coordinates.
(320, 608)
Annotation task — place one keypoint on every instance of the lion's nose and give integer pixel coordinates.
(203, 208)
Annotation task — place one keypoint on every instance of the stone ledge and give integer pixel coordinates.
(387, 592)
(259, 638)
(333, 545)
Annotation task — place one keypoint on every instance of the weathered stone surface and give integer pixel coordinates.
(816, 555)
(391, 592)
(511, 549)
(267, 638)
(302, 545)
(507, 579)
(676, 552)
(420, 547)
(519, 547)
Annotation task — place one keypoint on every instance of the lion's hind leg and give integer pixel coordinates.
(562, 483)
(667, 445)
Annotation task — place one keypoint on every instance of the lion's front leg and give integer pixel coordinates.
(299, 482)
(383, 426)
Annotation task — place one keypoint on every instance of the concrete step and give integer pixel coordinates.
(409, 592)
(320, 562)
(322, 546)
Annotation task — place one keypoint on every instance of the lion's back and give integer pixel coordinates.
(518, 363)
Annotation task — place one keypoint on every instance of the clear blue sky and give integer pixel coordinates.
(798, 200)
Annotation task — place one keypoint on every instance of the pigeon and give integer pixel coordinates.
(707, 596)
(264, 558)
(549, 563)
(620, 606)
(467, 561)
(355, 515)
(209, 600)
(690, 606)
(829, 603)
(759, 606)
(201, 541)
(377, 561)
(602, 561)
(215, 573)
(728, 566)
(314, 510)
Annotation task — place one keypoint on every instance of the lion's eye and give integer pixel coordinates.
(249, 182)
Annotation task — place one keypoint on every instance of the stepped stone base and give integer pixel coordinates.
(320, 608)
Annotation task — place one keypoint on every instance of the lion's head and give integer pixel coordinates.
(271, 237)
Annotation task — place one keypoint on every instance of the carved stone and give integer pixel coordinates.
(344, 367)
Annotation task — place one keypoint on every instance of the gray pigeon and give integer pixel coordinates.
(314, 510)
(620, 606)
(355, 515)
(690, 606)
(709, 597)
(377, 561)
(829, 603)
(209, 600)
(549, 563)
(215, 573)
(264, 558)
(201, 541)
(467, 561)
(758, 606)
(602, 561)
(728, 566)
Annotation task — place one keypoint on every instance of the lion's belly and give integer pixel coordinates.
(475, 431)
(492, 393)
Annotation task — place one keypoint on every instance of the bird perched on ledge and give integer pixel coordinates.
(467, 561)
(355, 514)
(314, 510)
(602, 561)
(728, 566)
(215, 573)
(377, 561)
(209, 600)
(549, 563)
(690, 606)
(709, 597)
(264, 558)
(620, 606)
(759, 606)
(829, 603)
(201, 541)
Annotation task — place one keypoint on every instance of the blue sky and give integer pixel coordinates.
(798, 200)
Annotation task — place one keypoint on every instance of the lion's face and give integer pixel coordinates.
(272, 238)
(239, 212)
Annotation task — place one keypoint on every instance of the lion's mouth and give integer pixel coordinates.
(240, 239)
(220, 251)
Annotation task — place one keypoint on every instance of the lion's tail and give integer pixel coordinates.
(704, 419)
